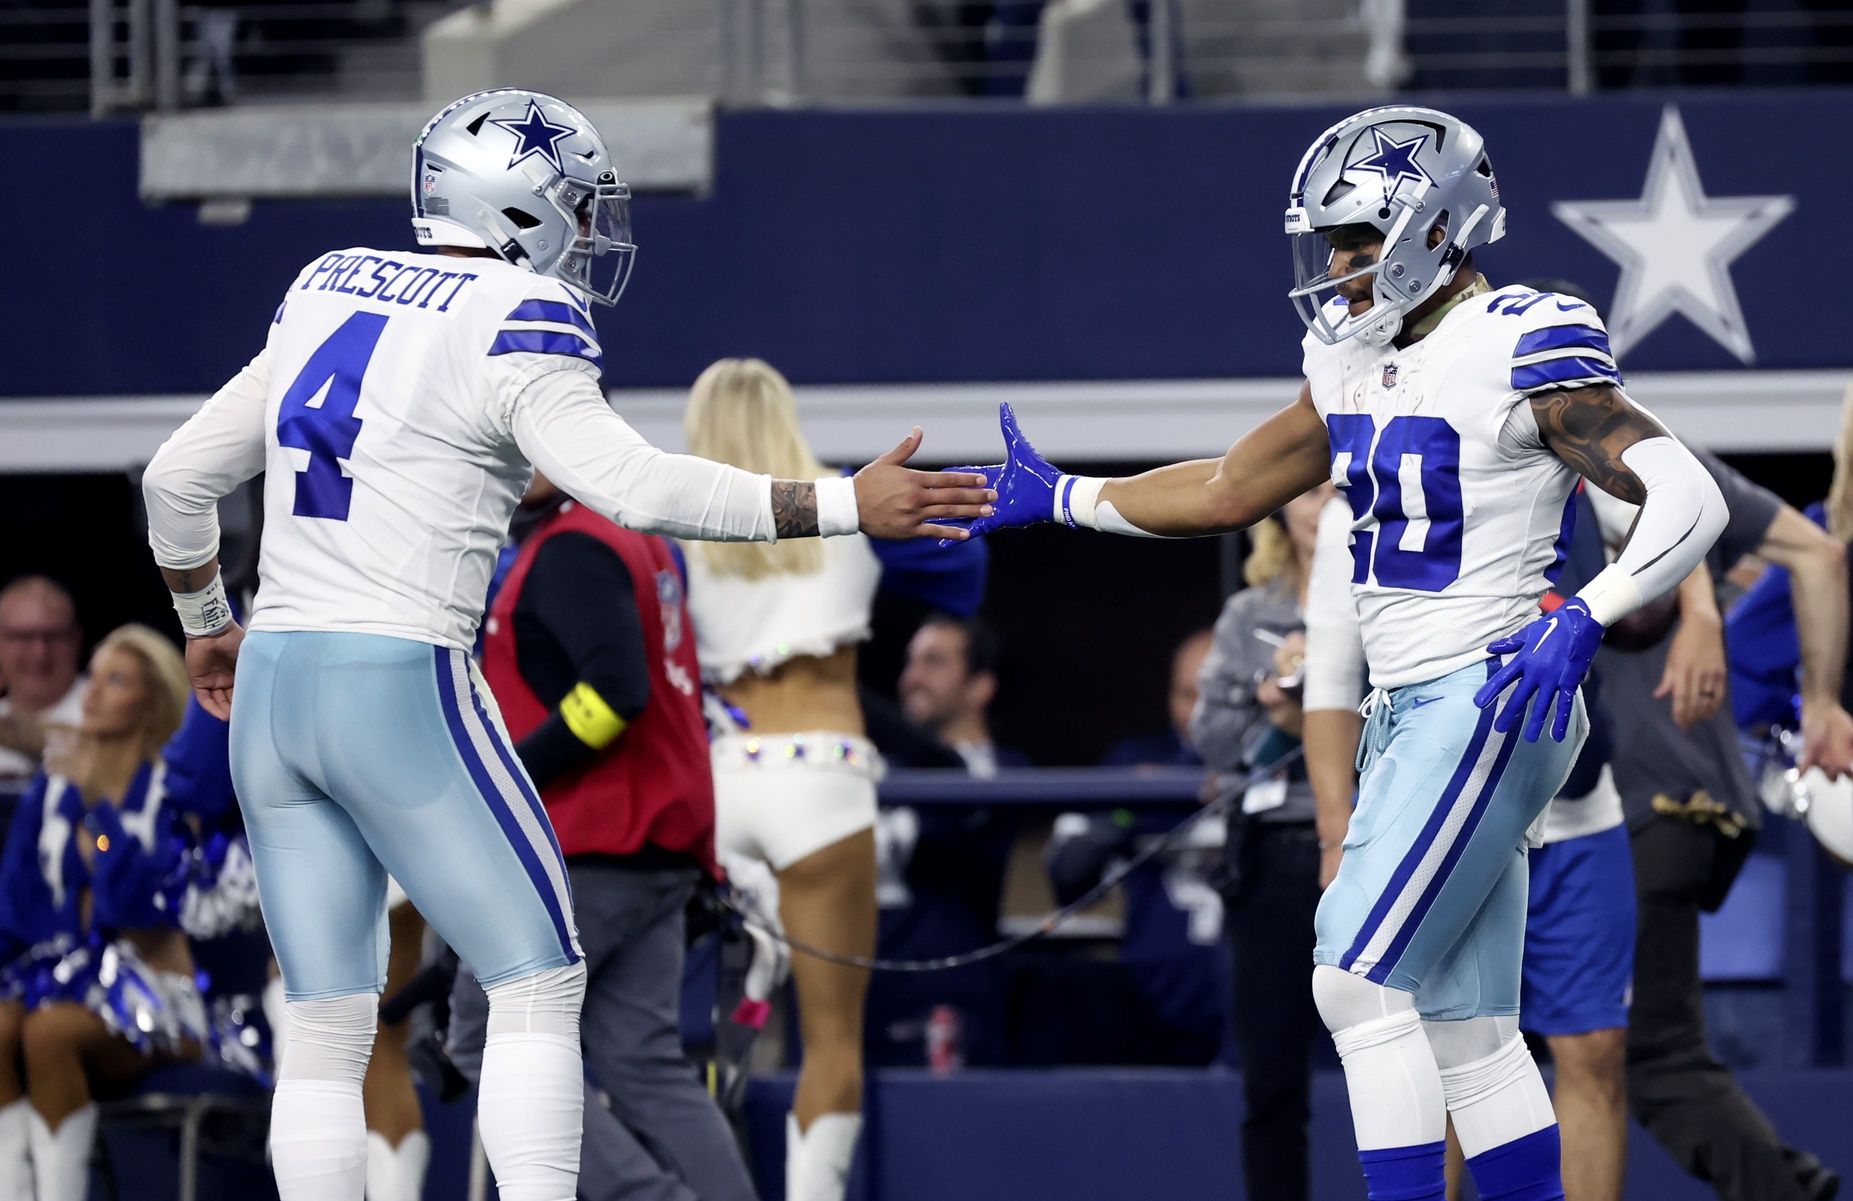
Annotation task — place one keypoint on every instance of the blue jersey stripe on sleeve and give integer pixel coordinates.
(1562, 371)
(540, 341)
(1563, 337)
(552, 310)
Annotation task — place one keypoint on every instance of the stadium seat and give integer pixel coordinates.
(185, 1119)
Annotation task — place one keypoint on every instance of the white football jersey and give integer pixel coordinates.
(1460, 513)
(391, 464)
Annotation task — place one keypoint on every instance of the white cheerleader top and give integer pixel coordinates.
(757, 625)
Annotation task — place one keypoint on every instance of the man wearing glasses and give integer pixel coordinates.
(39, 644)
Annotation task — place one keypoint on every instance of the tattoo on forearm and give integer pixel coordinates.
(191, 579)
(794, 508)
(1589, 428)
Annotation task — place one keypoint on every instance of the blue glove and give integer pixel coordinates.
(1025, 482)
(1549, 659)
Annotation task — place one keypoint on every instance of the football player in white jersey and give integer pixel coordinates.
(396, 406)
(1455, 418)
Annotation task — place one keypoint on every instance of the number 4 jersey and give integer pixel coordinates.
(1460, 513)
(395, 409)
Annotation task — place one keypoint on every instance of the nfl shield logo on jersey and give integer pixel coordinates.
(1389, 375)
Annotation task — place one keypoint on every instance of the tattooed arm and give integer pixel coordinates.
(1622, 450)
(566, 429)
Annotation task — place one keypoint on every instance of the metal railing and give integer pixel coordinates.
(165, 54)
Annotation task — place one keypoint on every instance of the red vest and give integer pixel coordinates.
(653, 786)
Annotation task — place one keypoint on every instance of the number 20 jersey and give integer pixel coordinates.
(1460, 513)
(391, 463)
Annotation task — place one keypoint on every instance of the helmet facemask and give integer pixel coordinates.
(598, 260)
(1325, 311)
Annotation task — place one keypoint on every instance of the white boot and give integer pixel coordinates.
(397, 1173)
(16, 1150)
(817, 1161)
(61, 1157)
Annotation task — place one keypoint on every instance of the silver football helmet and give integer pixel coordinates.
(1402, 171)
(527, 176)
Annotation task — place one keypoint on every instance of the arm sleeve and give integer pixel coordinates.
(583, 594)
(563, 425)
(1226, 713)
(1682, 516)
(218, 448)
(1335, 667)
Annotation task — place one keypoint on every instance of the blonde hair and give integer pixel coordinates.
(741, 411)
(1270, 556)
(164, 675)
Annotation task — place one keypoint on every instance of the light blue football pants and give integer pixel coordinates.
(356, 755)
(1430, 897)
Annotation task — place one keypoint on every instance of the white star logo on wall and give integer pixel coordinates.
(1675, 246)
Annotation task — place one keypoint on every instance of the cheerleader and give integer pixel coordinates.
(777, 628)
(93, 882)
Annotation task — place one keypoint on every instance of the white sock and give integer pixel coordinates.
(817, 1161)
(529, 1111)
(397, 1173)
(1394, 1085)
(61, 1157)
(1390, 1070)
(1497, 1099)
(318, 1140)
(16, 1150)
(318, 1124)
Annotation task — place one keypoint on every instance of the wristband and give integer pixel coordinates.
(837, 513)
(1611, 595)
(1077, 500)
(206, 612)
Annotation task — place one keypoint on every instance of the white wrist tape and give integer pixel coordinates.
(837, 513)
(1078, 504)
(206, 611)
(1611, 596)
(1077, 500)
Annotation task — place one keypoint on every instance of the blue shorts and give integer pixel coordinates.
(1430, 897)
(1579, 941)
(356, 755)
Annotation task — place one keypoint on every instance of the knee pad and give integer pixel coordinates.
(1463, 1042)
(1345, 1000)
(330, 1038)
(545, 1002)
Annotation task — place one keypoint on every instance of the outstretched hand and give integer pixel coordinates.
(1025, 481)
(1549, 659)
(210, 663)
(897, 501)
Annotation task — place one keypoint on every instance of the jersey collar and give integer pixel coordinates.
(1426, 326)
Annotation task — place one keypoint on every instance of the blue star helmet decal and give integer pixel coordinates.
(534, 134)
(1394, 161)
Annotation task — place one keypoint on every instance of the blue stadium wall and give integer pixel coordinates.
(921, 246)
